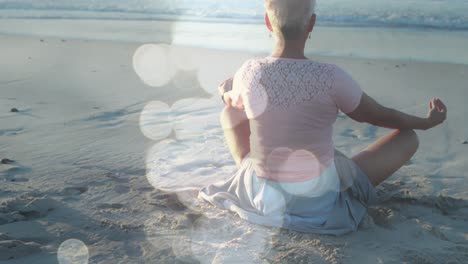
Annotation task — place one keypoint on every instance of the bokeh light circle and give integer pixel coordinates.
(184, 81)
(232, 117)
(196, 118)
(73, 251)
(184, 58)
(162, 230)
(297, 165)
(175, 165)
(181, 245)
(229, 239)
(189, 198)
(155, 121)
(249, 87)
(299, 172)
(153, 64)
(216, 68)
(257, 101)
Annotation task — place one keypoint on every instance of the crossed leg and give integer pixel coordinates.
(389, 153)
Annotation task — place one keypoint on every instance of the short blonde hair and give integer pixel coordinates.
(289, 17)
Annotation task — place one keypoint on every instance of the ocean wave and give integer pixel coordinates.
(449, 14)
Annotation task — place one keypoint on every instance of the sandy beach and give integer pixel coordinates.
(84, 153)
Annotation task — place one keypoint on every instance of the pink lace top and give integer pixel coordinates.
(292, 105)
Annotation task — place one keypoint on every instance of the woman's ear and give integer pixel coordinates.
(267, 22)
(312, 21)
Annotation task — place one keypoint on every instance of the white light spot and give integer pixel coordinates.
(189, 198)
(299, 172)
(253, 94)
(256, 102)
(161, 233)
(153, 64)
(73, 251)
(231, 118)
(184, 58)
(184, 81)
(155, 122)
(229, 240)
(196, 118)
(180, 165)
(293, 166)
(216, 68)
(181, 246)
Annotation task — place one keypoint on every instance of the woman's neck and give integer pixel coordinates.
(289, 49)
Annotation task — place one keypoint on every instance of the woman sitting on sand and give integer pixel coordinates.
(279, 122)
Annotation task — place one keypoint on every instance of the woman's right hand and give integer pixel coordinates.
(437, 113)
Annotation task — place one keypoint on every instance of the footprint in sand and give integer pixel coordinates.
(382, 216)
(435, 231)
(13, 249)
(165, 200)
(24, 208)
(446, 205)
(77, 190)
(388, 190)
(11, 217)
(12, 172)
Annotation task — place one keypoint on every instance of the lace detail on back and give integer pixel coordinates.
(279, 83)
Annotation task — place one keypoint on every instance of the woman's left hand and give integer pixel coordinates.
(225, 86)
(229, 98)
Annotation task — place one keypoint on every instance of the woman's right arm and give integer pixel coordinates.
(372, 112)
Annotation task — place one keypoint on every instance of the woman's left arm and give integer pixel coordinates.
(235, 123)
(236, 129)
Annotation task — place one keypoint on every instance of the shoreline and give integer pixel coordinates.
(310, 55)
(238, 21)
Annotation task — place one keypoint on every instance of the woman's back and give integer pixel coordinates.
(289, 177)
(292, 105)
